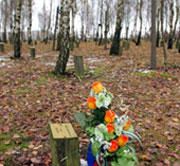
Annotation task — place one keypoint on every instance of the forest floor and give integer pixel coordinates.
(31, 97)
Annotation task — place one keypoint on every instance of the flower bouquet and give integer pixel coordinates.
(111, 137)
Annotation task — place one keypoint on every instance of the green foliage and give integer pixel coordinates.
(166, 75)
(83, 119)
(95, 147)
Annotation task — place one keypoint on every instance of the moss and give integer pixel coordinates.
(42, 80)
(166, 75)
(148, 75)
(23, 91)
(22, 142)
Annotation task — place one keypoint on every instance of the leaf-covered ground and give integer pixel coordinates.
(31, 97)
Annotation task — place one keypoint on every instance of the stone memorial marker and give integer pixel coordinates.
(64, 145)
(79, 65)
(2, 47)
(32, 52)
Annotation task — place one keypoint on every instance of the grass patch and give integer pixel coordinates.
(42, 80)
(148, 75)
(98, 71)
(166, 75)
(6, 142)
(23, 91)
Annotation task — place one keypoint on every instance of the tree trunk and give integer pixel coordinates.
(116, 40)
(11, 23)
(60, 25)
(162, 32)
(101, 22)
(55, 29)
(17, 42)
(106, 27)
(153, 36)
(64, 40)
(135, 20)
(5, 22)
(140, 17)
(30, 22)
(170, 41)
(49, 23)
(177, 17)
(158, 33)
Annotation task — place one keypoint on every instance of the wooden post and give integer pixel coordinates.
(2, 47)
(77, 43)
(79, 66)
(120, 50)
(32, 52)
(64, 145)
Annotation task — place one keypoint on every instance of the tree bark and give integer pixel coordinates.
(49, 22)
(101, 22)
(153, 36)
(162, 32)
(116, 40)
(5, 21)
(17, 42)
(60, 25)
(30, 22)
(65, 40)
(158, 33)
(106, 26)
(140, 17)
(55, 28)
(170, 41)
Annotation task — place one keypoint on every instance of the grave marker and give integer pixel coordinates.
(79, 65)
(2, 47)
(64, 145)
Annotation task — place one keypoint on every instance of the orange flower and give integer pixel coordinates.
(97, 87)
(126, 127)
(114, 146)
(110, 128)
(122, 140)
(109, 116)
(92, 103)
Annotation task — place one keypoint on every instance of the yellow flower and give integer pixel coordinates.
(97, 87)
(109, 116)
(92, 103)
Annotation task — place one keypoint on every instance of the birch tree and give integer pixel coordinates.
(140, 17)
(64, 40)
(153, 35)
(101, 22)
(170, 41)
(17, 42)
(49, 22)
(116, 40)
(30, 22)
(162, 33)
(106, 23)
(55, 28)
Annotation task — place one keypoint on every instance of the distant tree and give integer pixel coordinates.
(170, 41)
(106, 23)
(49, 22)
(55, 28)
(30, 22)
(64, 40)
(162, 33)
(43, 21)
(116, 40)
(17, 42)
(101, 23)
(158, 26)
(140, 17)
(153, 36)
